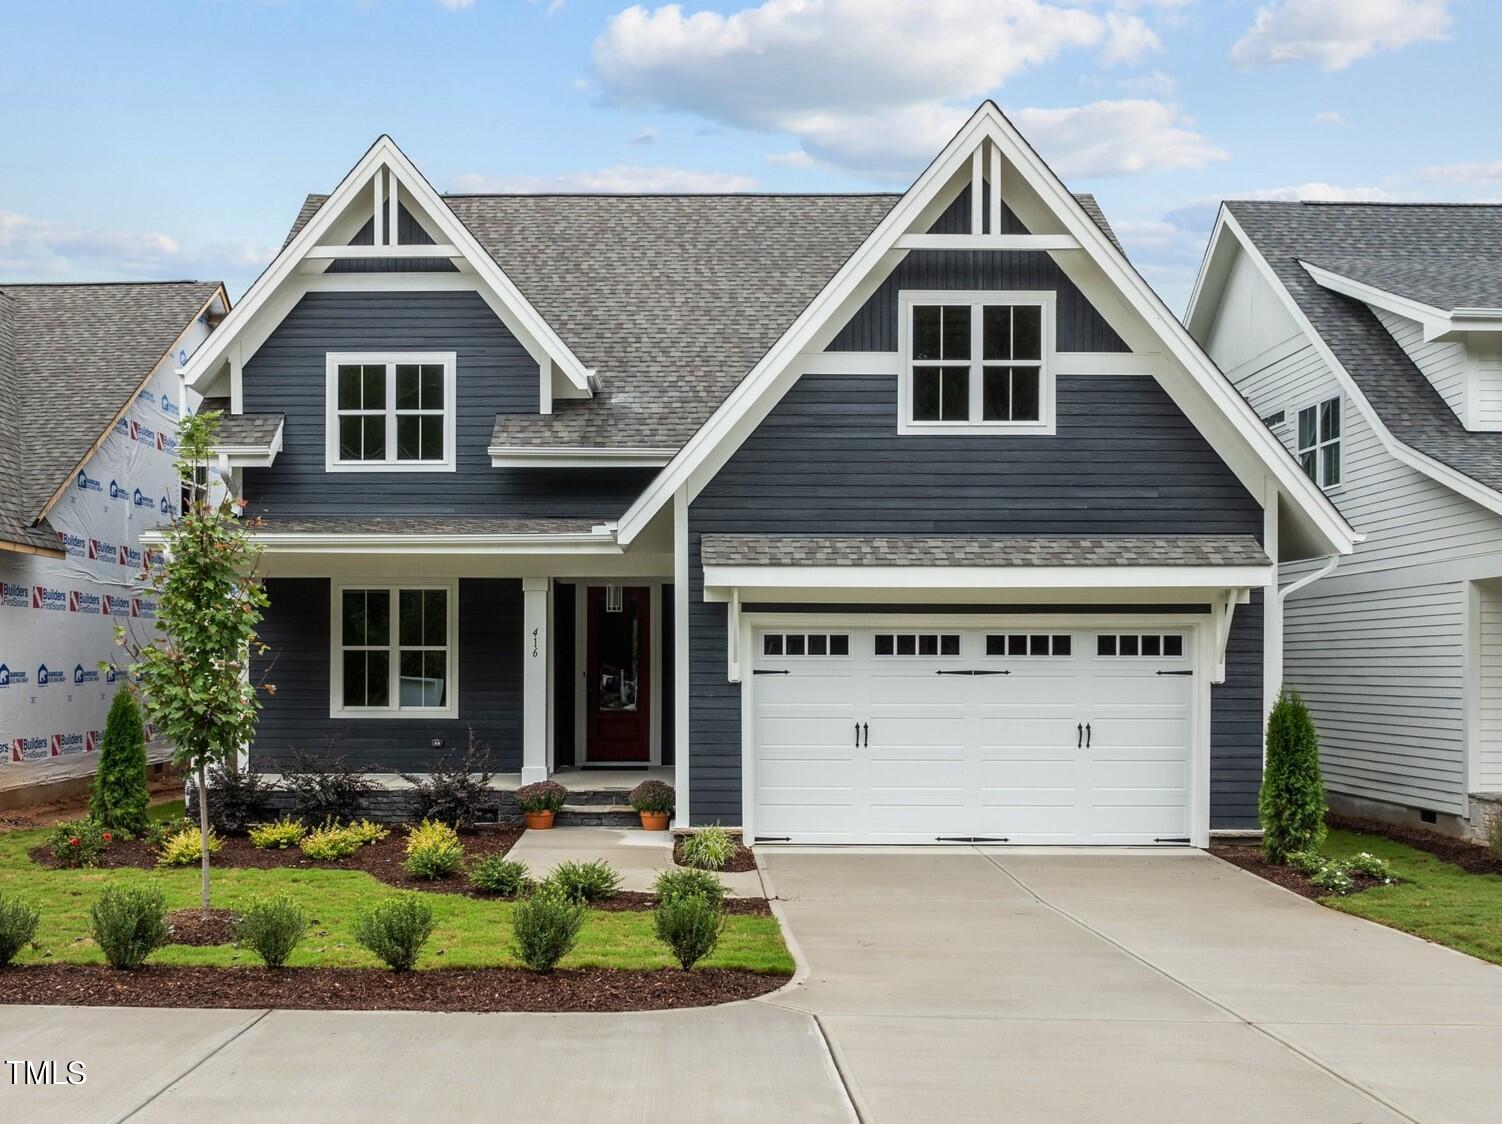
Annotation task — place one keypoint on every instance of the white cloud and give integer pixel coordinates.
(1475, 172)
(1114, 138)
(795, 158)
(617, 179)
(1336, 33)
(1128, 39)
(1156, 84)
(645, 135)
(455, 5)
(43, 250)
(1329, 117)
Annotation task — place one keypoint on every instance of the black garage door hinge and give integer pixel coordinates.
(774, 838)
(973, 671)
(972, 839)
(1186, 671)
(1171, 839)
(771, 671)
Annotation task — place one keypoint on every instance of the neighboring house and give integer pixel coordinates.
(89, 405)
(875, 518)
(1369, 338)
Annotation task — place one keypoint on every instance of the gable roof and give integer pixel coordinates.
(1415, 244)
(71, 359)
(671, 299)
(1443, 280)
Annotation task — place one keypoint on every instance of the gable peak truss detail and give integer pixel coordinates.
(382, 187)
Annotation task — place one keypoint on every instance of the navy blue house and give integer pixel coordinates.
(865, 518)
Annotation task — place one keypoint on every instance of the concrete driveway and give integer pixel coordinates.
(1127, 987)
(957, 986)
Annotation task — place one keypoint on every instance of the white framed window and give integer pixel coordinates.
(390, 411)
(1319, 442)
(394, 650)
(805, 644)
(978, 362)
(916, 644)
(1148, 645)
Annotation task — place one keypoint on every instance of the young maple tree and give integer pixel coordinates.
(194, 673)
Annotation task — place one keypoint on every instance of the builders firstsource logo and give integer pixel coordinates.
(30, 749)
(91, 739)
(114, 606)
(64, 745)
(166, 443)
(74, 546)
(13, 596)
(82, 601)
(142, 434)
(52, 600)
(103, 551)
(143, 607)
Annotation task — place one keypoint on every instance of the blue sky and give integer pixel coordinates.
(158, 139)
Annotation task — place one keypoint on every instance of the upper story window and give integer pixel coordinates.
(977, 362)
(1319, 442)
(390, 412)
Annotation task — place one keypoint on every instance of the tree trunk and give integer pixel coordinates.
(203, 831)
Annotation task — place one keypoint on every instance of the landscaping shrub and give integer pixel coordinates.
(1364, 862)
(271, 928)
(366, 832)
(120, 793)
(1494, 835)
(500, 875)
(1306, 862)
(80, 843)
(690, 926)
(1333, 876)
(544, 927)
(709, 848)
(456, 793)
(674, 885)
(395, 930)
(238, 798)
(330, 842)
(18, 925)
(652, 796)
(184, 848)
(278, 835)
(543, 796)
(433, 851)
(159, 831)
(1292, 803)
(129, 923)
(325, 788)
(586, 882)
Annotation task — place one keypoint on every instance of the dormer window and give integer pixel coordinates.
(1319, 442)
(390, 412)
(977, 362)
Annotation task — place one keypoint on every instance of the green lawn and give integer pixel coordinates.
(1436, 900)
(469, 932)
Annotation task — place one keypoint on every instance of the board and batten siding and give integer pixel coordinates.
(1376, 649)
(295, 719)
(494, 375)
(827, 459)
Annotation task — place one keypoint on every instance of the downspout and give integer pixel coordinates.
(1308, 579)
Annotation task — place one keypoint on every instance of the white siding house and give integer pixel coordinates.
(1399, 651)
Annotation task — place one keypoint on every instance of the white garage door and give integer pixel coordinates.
(925, 735)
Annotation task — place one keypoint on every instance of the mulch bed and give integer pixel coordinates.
(741, 862)
(1470, 857)
(1250, 858)
(372, 989)
(383, 860)
(192, 926)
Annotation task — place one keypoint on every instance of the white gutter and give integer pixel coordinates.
(1309, 579)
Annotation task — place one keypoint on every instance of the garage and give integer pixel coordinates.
(1022, 735)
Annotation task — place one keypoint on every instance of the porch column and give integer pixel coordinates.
(535, 663)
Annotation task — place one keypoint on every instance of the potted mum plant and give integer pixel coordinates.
(540, 803)
(653, 801)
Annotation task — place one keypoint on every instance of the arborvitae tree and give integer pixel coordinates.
(1292, 803)
(120, 792)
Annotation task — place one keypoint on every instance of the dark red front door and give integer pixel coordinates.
(617, 671)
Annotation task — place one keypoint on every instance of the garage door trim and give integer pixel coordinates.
(1199, 649)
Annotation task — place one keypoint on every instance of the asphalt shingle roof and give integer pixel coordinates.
(980, 550)
(1412, 237)
(423, 525)
(672, 299)
(71, 356)
(243, 430)
(1446, 280)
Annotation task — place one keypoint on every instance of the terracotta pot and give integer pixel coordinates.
(654, 821)
(538, 821)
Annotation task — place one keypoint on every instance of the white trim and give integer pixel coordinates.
(531, 328)
(977, 300)
(537, 661)
(1437, 323)
(1073, 363)
(1456, 481)
(1470, 722)
(337, 709)
(1198, 642)
(563, 456)
(1038, 242)
(718, 435)
(656, 694)
(390, 360)
(1320, 444)
(392, 542)
(382, 251)
(1272, 613)
(682, 739)
(719, 581)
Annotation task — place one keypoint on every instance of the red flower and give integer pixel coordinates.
(106, 837)
(73, 842)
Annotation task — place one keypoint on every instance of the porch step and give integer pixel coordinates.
(598, 797)
(597, 815)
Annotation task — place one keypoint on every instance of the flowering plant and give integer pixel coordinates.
(78, 844)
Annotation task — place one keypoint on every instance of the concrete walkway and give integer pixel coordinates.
(1127, 987)
(640, 856)
(958, 986)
